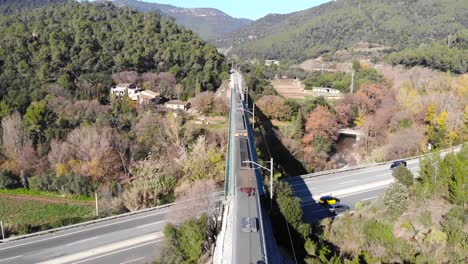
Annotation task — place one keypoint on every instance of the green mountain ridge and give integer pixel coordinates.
(209, 23)
(341, 24)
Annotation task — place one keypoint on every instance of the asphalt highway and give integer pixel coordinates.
(130, 239)
(358, 185)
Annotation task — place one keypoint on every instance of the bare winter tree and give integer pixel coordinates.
(195, 200)
(15, 138)
(59, 153)
(18, 146)
(125, 76)
(94, 146)
(203, 102)
(122, 145)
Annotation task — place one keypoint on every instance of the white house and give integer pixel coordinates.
(148, 97)
(120, 89)
(271, 62)
(325, 90)
(177, 104)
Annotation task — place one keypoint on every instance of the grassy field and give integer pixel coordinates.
(22, 214)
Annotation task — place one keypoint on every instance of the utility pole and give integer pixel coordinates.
(352, 81)
(448, 42)
(97, 207)
(3, 232)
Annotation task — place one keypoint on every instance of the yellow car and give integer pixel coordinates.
(328, 200)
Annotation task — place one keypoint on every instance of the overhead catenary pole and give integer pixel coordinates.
(352, 81)
(271, 183)
(271, 176)
(253, 114)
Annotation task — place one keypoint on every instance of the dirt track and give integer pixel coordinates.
(45, 199)
(291, 88)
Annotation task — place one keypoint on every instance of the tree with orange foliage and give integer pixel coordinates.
(369, 98)
(321, 128)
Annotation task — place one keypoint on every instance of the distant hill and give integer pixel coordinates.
(209, 23)
(341, 24)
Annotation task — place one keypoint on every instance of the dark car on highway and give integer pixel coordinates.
(397, 163)
(338, 208)
(328, 200)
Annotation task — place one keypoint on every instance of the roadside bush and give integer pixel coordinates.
(70, 184)
(75, 185)
(185, 242)
(453, 225)
(8, 180)
(376, 232)
(43, 182)
(403, 176)
(396, 198)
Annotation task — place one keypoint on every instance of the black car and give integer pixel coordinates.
(338, 208)
(397, 163)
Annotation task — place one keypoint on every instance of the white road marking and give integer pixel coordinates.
(133, 260)
(331, 177)
(370, 198)
(80, 241)
(369, 190)
(122, 246)
(81, 231)
(150, 224)
(1, 260)
(118, 251)
(347, 182)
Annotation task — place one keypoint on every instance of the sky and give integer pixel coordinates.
(253, 9)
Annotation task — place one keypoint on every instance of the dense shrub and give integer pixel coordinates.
(185, 242)
(403, 176)
(65, 184)
(8, 180)
(43, 182)
(396, 198)
(376, 232)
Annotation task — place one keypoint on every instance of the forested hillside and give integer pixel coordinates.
(209, 23)
(340, 24)
(64, 135)
(444, 56)
(75, 44)
(9, 6)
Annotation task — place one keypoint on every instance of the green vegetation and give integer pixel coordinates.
(403, 176)
(78, 45)
(11, 6)
(342, 81)
(64, 138)
(425, 223)
(26, 215)
(436, 55)
(8, 180)
(341, 24)
(185, 242)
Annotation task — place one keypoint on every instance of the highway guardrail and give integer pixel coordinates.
(104, 219)
(369, 165)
